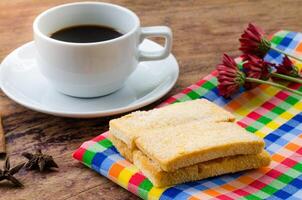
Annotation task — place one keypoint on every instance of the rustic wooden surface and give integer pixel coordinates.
(203, 30)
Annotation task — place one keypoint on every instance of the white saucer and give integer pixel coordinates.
(21, 81)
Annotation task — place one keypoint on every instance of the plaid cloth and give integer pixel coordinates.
(270, 113)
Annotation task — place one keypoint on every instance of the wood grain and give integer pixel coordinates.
(202, 30)
(2, 141)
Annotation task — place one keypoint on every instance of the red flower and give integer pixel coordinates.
(253, 42)
(230, 78)
(287, 68)
(256, 68)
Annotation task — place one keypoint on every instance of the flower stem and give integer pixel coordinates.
(285, 77)
(289, 55)
(273, 84)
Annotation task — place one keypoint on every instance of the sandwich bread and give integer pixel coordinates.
(129, 127)
(186, 141)
(211, 168)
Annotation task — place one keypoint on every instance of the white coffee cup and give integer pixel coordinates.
(99, 68)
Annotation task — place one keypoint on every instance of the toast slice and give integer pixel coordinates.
(187, 144)
(129, 127)
(211, 168)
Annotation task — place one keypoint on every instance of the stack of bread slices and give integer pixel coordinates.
(185, 142)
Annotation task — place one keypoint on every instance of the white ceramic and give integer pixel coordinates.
(21, 81)
(93, 69)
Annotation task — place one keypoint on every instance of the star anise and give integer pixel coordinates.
(8, 173)
(39, 161)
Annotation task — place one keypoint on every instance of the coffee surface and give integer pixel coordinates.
(85, 34)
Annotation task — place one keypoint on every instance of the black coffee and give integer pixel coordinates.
(86, 34)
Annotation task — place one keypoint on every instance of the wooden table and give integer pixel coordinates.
(203, 30)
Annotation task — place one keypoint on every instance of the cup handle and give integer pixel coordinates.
(155, 31)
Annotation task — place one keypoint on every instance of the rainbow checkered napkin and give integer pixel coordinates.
(268, 112)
